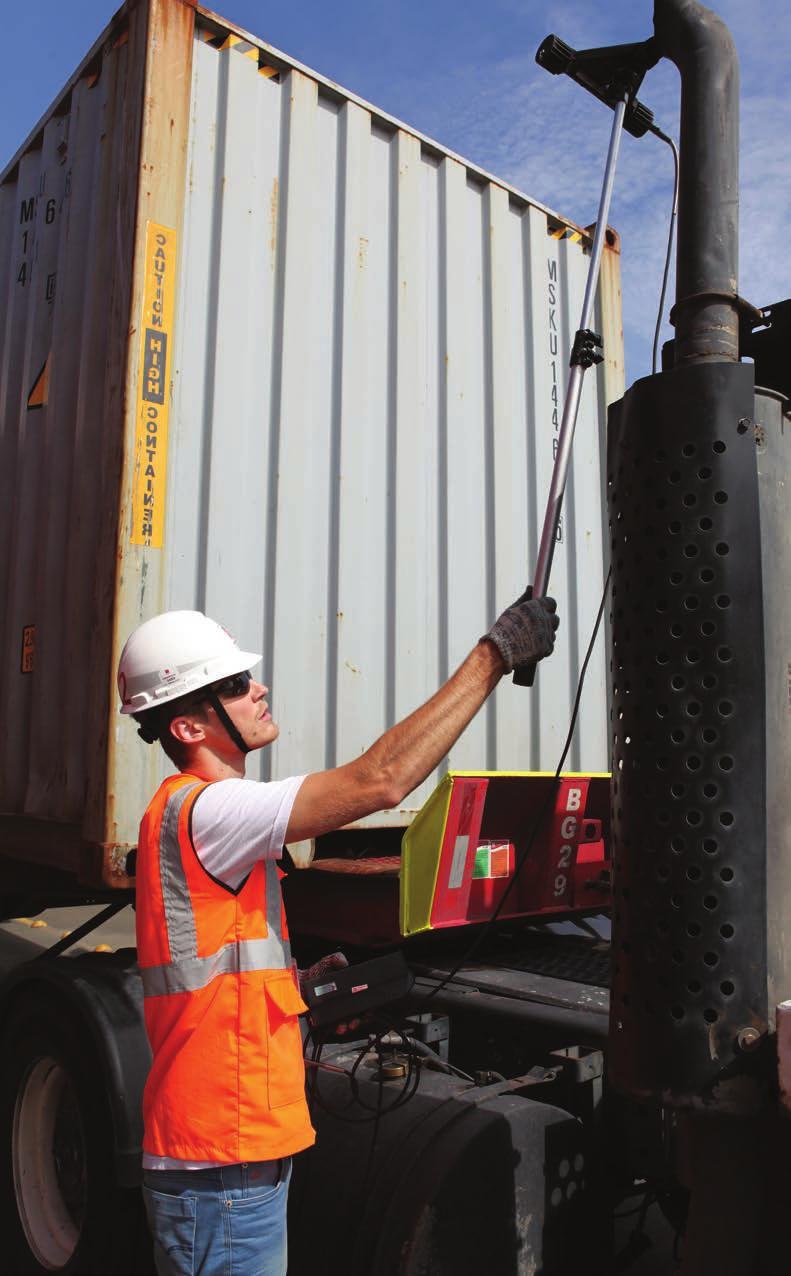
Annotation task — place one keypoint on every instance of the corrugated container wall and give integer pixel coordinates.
(67, 211)
(365, 350)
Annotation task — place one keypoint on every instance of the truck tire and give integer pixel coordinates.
(60, 1206)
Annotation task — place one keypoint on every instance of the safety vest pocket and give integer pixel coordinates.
(286, 1070)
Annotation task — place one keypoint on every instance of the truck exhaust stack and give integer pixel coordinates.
(695, 471)
(698, 464)
(707, 265)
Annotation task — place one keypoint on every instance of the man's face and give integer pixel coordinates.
(250, 715)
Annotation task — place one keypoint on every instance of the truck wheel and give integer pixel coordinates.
(60, 1207)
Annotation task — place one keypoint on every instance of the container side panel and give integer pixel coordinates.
(152, 211)
(583, 552)
(372, 355)
(234, 398)
(22, 455)
(62, 259)
(410, 552)
(196, 333)
(358, 703)
(549, 347)
(577, 577)
(513, 497)
(67, 549)
(469, 530)
(300, 626)
(46, 457)
(121, 208)
(8, 421)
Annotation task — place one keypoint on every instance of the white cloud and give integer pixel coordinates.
(548, 138)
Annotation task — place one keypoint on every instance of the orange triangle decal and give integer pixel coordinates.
(39, 395)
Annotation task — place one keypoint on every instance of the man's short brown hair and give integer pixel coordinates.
(156, 725)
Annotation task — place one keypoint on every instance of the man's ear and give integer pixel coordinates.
(187, 730)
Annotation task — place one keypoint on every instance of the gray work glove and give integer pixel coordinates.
(326, 965)
(525, 632)
(335, 961)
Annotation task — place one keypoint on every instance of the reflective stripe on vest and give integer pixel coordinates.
(186, 971)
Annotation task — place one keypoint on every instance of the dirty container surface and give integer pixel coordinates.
(269, 353)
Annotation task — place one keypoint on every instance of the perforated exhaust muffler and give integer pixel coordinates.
(698, 471)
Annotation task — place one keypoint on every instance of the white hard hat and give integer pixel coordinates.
(173, 654)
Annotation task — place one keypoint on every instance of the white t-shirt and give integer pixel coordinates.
(235, 823)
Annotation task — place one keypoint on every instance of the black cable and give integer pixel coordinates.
(442, 1065)
(374, 1113)
(375, 1131)
(412, 1076)
(670, 237)
(637, 1242)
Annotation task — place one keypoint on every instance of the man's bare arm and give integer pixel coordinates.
(401, 758)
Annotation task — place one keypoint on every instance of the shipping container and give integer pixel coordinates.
(267, 352)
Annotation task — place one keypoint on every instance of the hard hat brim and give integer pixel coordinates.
(243, 660)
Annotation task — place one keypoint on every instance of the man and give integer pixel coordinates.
(224, 1104)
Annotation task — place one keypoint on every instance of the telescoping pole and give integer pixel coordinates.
(583, 354)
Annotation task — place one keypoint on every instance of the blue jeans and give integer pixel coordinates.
(229, 1221)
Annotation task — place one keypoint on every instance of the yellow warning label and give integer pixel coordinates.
(28, 648)
(151, 432)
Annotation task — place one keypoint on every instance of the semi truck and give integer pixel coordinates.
(271, 354)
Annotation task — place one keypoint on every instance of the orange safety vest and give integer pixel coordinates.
(227, 1081)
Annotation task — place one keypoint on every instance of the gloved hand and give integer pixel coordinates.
(525, 632)
(333, 961)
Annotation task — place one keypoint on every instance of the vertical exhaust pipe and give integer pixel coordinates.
(699, 464)
(690, 780)
(707, 260)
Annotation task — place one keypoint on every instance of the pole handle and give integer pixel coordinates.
(524, 675)
(583, 356)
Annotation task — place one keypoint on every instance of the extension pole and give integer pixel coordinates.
(581, 359)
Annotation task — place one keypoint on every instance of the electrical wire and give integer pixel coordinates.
(637, 1242)
(436, 1062)
(369, 1164)
(373, 1113)
(670, 238)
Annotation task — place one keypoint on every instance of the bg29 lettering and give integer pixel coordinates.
(568, 831)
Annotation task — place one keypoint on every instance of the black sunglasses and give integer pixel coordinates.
(238, 684)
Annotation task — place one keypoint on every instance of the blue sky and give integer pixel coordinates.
(464, 73)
